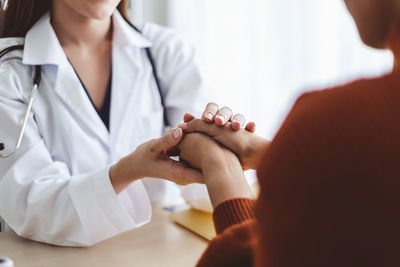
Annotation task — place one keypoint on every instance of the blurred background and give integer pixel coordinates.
(260, 55)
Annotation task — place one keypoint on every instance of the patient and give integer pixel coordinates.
(330, 179)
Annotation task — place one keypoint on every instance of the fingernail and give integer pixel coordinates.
(209, 116)
(221, 118)
(177, 133)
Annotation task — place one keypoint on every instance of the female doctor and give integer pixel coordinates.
(76, 178)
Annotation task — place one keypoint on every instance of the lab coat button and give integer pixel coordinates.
(1, 147)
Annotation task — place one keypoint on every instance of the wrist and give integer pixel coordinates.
(226, 182)
(210, 156)
(222, 170)
(256, 150)
(122, 174)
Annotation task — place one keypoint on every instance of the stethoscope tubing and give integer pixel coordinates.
(25, 121)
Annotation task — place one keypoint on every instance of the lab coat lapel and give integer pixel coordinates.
(72, 94)
(127, 73)
(128, 70)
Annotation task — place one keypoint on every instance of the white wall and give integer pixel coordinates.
(149, 11)
(259, 55)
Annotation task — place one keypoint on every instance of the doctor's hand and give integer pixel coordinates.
(246, 145)
(222, 171)
(222, 117)
(151, 160)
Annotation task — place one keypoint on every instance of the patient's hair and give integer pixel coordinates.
(20, 15)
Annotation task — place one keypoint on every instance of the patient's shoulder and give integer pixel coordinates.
(347, 130)
(355, 98)
(359, 116)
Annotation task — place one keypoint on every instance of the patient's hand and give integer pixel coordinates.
(221, 169)
(246, 145)
(200, 151)
(222, 116)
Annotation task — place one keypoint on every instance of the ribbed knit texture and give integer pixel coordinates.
(232, 212)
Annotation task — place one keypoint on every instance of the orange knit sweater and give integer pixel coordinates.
(330, 184)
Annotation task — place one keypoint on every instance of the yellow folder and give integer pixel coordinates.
(197, 221)
(201, 222)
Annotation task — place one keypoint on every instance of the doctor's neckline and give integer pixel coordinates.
(104, 112)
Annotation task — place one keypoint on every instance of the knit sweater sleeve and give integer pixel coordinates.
(232, 212)
(234, 245)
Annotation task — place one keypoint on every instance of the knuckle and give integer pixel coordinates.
(226, 111)
(212, 107)
(211, 104)
(205, 112)
(152, 145)
(239, 117)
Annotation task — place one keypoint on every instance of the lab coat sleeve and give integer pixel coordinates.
(39, 199)
(184, 88)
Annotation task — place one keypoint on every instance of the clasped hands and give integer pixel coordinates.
(213, 150)
(218, 145)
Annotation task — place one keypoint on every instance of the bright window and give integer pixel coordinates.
(259, 55)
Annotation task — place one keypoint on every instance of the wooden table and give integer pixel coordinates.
(159, 243)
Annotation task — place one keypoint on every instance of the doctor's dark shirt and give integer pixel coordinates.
(104, 112)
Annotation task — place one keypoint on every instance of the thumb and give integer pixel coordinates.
(170, 139)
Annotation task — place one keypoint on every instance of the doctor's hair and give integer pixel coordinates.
(18, 16)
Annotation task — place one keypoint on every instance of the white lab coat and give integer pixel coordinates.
(56, 188)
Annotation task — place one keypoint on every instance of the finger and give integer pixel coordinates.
(183, 126)
(170, 139)
(181, 173)
(200, 126)
(210, 112)
(238, 122)
(223, 116)
(251, 127)
(188, 117)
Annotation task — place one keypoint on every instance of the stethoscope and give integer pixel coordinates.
(36, 84)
